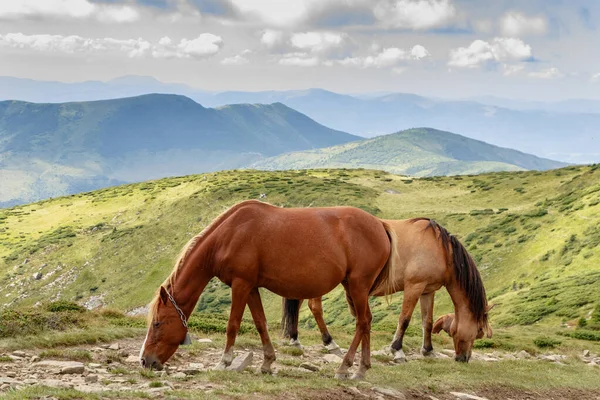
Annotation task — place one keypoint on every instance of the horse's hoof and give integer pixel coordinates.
(400, 359)
(334, 349)
(342, 376)
(265, 371)
(358, 377)
(296, 343)
(427, 353)
(220, 367)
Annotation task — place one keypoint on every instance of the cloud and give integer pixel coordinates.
(388, 57)
(316, 42)
(271, 38)
(512, 69)
(67, 9)
(415, 14)
(204, 46)
(239, 59)
(498, 50)
(595, 77)
(74, 44)
(299, 61)
(516, 24)
(548, 73)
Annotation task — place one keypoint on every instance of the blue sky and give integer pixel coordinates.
(534, 49)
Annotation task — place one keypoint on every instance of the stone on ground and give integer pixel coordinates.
(389, 392)
(63, 367)
(241, 362)
(332, 358)
(309, 366)
(466, 396)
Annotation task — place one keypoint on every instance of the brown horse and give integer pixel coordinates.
(295, 252)
(428, 257)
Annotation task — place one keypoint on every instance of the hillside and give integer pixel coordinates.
(565, 131)
(535, 236)
(48, 150)
(417, 152)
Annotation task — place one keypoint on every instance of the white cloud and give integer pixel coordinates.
(481, 52)
(512, 69)
(205, 45)
(238, 59)
(388, 57)
(73, 44)
(415, 14)
(548, 73)
(316, 42)
(299, 61)
(271, 38)
(595, 77)
(518, 24)
(278, 13)
(64, 9)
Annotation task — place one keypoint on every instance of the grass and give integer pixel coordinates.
(67, 354)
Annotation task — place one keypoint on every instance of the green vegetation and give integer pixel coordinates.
(418, 152)
(536, 250)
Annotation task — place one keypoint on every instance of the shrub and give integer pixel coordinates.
(583, 335)
(484, 344)
(64, 305)
(546, 342)
(582, 323)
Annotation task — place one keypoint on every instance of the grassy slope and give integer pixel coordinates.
(418, 152)
(119, 243)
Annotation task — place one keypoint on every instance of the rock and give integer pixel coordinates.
(193, 369)
(55, 383)
(448, 352)
(204, 340)
(114, 346)
(37, 276)
(19, 353)
(465, 396)
(91, 378)
(586, 353)
(523, 354)
(332, 358)
(35, 359)
(132, 360)
(380, 353)
(179, 375)
(309, 366)
(8, 381)
(553, 358)
(63, 367)
(11, 374)
(94, 365)
(389, 392)
(241, 362)
(355, 390)
(90, 388)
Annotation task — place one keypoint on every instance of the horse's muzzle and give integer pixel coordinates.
(151, 362)
(462, 357)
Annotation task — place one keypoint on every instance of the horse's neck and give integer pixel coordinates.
(192, 278)
(459, 299)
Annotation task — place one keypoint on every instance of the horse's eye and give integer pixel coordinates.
(156, 324)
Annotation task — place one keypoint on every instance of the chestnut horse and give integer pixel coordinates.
(428, 257)
(297, 253)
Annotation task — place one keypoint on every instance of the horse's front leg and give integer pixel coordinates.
(240, 290)
(411, 297)
(316, 307)
(260, 321)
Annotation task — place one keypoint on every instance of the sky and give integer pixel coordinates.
(521, 49)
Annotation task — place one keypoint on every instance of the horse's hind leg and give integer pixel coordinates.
(411, 297)
(427, 320)
(316, 307)
(260, 321)
(240, 290)
(362, 336)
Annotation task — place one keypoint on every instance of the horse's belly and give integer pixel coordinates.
(302, 283)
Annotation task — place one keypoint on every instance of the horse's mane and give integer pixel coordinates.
(185, 252)
(465, 270)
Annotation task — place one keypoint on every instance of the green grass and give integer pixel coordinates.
(67, 354)
(536, 248)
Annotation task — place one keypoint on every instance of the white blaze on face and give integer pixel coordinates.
(144, 345)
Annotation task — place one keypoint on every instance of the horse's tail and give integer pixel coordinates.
(386, 280)
(289, 319)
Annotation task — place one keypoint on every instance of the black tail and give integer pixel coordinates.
(289, 319)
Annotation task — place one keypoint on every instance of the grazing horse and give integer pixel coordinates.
(297, 253)
(428, 257)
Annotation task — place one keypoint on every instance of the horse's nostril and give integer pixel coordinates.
(143, 362)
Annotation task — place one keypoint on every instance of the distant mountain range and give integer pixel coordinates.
(418, 152)
(55, 149)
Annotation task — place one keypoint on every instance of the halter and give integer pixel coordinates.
(187, 339)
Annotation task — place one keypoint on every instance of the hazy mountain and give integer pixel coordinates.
(566, 130)
(53, 149)
(419, 152)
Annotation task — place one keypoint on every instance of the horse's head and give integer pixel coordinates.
(166, 331)
(464, 331)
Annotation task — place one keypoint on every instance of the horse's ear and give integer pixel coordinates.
(438, 325)
(488, 308)
(164, 297)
